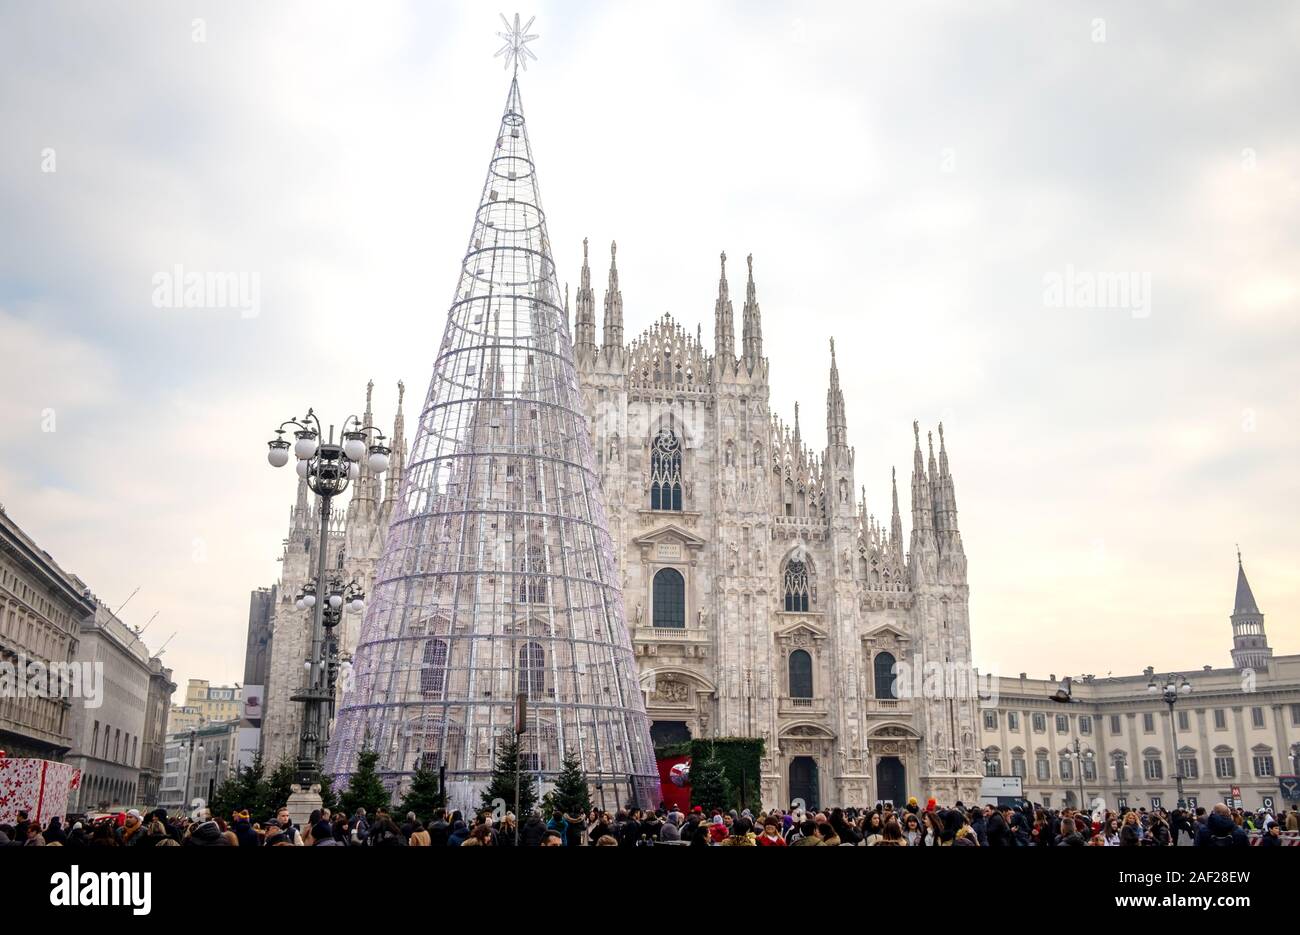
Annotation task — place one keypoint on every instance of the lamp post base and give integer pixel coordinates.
(302, 802)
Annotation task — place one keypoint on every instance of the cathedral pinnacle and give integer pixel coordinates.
(724, 334)
(752, 328)
(613, 335)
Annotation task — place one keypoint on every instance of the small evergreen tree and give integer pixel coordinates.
(425, 795)
(365, 788)
(709, 786)
(246, 789)
(327, 797)
(572, 794)
(502, 785)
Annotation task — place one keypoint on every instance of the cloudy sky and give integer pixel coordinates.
(910, 179)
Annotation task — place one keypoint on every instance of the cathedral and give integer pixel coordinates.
(762, 599)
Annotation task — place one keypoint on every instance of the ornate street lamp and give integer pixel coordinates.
(1169, 689)
(992, 764)
(1081, 757)
(328, 467)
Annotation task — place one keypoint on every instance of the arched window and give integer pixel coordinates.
(433, 672)
(532, 669)
(532, 584)
(669, 599)
(340, 560)
(796, 587)
(885, 676)
(666, 472)
(801, 675)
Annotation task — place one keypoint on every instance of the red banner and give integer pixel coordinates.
(674, 781)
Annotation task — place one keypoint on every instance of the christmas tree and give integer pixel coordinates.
(572, 795)
(502, 528)
(365, 788)
(425, 795)
(502, 786)
(709, 786)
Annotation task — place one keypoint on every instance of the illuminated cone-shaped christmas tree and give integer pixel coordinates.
(499, 575)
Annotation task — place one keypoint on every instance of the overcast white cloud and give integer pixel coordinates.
(905, 179)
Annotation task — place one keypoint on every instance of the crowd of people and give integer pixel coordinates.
(914, 825)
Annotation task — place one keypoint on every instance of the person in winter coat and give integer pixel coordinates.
(630, 833)
(874, 830)
(740, 834)
(827, 834)
(1221, 831)
(996, 830)
(243, 829)
(1069, 837)
(360, 827)
(1272, 837)
(419, 835)
(323, 835)
(532, 830)
(439, 829)
(771, 836)
(932, 828)
(459, 834)
(131, 832)
(575, 831)
(207, 834)
(843, 829)
(386, 833)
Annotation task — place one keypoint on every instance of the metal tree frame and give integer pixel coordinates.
(499, 576)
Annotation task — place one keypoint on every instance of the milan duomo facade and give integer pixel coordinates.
(762, 599)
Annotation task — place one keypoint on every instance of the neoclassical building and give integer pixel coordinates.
(1233, 736)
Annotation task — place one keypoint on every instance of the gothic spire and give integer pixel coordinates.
(301, 518)
(366, 487)
(752, 338)
(613, 305)
(836, 420)
(945, 498)
(397, 461)
(724, 336)
(584, 328)
(895, 520)
(922, 499)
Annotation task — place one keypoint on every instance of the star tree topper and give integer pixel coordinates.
(517, 37)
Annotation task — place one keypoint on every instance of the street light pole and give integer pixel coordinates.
(189, 774)
(1169, 693)
(1080, 757)
(327, 468)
